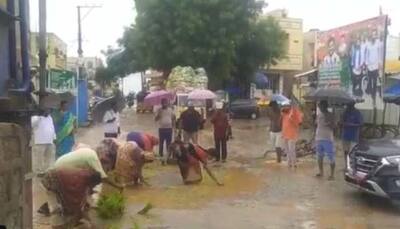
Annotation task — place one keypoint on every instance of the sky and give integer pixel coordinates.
(100, 28)
(104, 26)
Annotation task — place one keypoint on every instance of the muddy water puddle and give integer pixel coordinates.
(175, 195)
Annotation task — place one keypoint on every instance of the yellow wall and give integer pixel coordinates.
(56, 51)
(3, 4)
(294, 56)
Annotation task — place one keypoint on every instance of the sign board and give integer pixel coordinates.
(60, 80)
(352, 57)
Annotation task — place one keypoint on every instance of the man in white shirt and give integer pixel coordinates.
(166, 121)
(374, 63)
(43, 142)
(110, 121)
(332, 59)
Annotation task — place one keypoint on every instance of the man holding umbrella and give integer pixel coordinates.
(110, 121)
(325, 139)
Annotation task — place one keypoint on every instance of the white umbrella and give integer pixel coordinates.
(201, 94)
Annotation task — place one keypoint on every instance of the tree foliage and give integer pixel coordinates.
(200, 33)
(262, 47)
(104, 77)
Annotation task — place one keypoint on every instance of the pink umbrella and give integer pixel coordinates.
(201, 94)
(155, 97)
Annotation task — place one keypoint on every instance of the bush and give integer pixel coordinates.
(111, 205)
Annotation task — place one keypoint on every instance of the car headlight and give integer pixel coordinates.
(394, 160)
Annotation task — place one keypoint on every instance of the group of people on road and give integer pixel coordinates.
(285, 124)
(52, 136)
(185, 148)
(70, 180)
(284, 130)
(350, 124)
(188, 126)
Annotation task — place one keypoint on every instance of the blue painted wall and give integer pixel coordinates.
(82, 104)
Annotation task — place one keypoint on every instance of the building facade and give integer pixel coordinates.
(56, 51)
(89, 63)
(281, 74)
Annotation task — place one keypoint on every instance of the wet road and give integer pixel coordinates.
(258, 192)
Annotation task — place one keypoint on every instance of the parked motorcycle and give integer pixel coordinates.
(130, 99)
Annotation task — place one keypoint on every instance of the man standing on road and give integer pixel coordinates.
(291, 120)
(110, 121)
(166, 121)
(44, 136)
(190, 123)
(324, 139)
(221, 126)
(352, 121)
(275, 129)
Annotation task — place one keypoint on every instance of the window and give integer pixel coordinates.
(286, 45)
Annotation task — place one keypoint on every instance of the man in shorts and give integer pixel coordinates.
(275, 129)
(324, 139)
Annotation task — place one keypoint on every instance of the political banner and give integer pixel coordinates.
(351, 57)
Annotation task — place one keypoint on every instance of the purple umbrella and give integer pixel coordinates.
(155, 97)
(201, 94)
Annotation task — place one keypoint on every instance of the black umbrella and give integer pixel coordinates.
(392, 94)
(392, 99)
(331, 95)
(102, 106)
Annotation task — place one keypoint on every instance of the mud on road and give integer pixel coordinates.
(258, 193)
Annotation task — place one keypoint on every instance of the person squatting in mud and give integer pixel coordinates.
(70, 182)
(190, 157)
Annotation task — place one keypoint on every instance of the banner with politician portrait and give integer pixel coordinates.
(352, 57)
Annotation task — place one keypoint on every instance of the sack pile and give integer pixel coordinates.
(187, 79)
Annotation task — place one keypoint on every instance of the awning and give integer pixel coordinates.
(395, 76)
(392, 66)
(261, 80)
(306, 73)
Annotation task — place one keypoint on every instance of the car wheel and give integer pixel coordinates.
(253, 116)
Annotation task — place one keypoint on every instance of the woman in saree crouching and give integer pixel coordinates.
(71, 181)
(129, 163)
(190, 157)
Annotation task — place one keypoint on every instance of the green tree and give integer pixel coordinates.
(262, 47)
(195, 33)
(104, 77)
(121, 62)
(200, 33)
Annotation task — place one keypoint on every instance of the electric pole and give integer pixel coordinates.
(80, 51)
(42, 49)
(80, 103)
(90, 7)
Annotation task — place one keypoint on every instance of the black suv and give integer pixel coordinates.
(374, 167)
